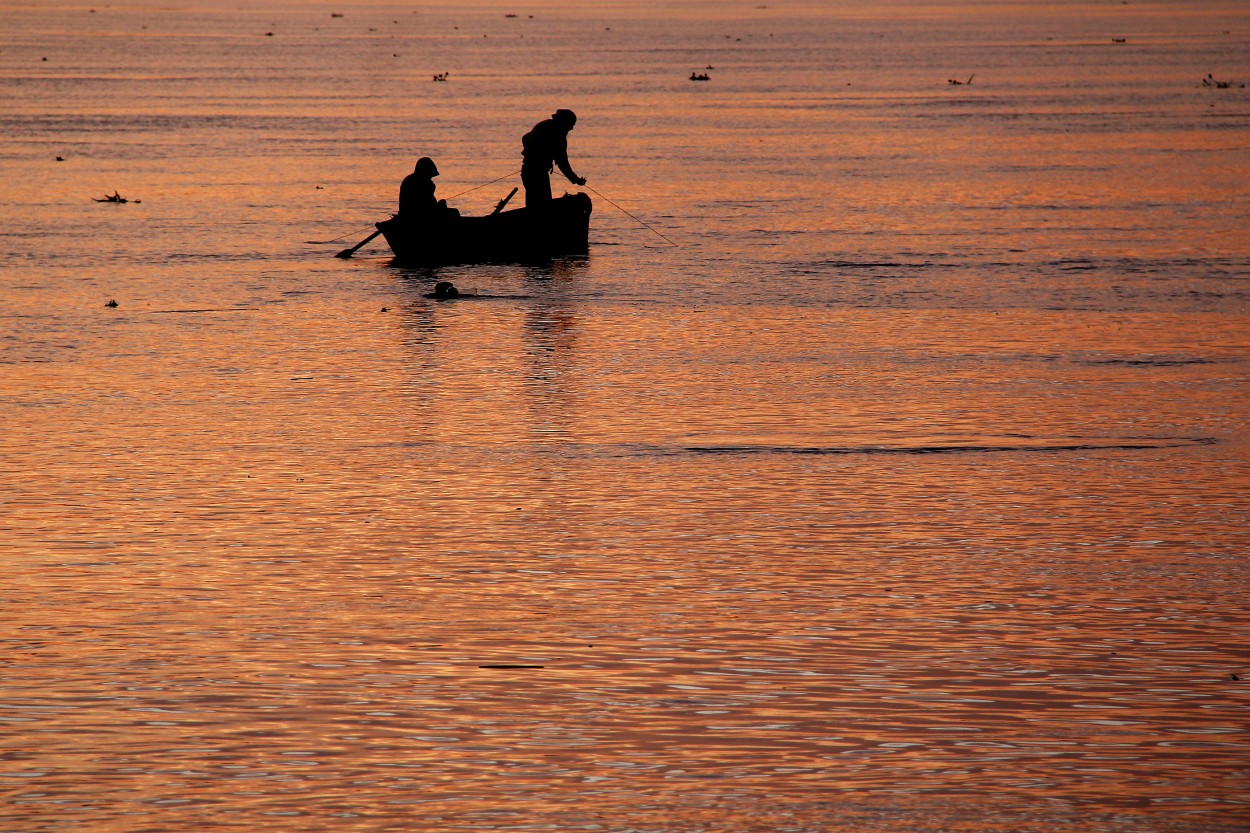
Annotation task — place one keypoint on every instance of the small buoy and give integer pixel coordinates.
(386, 309)
(112, 303)
(60, 159)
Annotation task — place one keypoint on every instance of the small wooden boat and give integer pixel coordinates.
(517, 236)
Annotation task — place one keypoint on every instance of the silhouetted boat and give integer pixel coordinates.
(517, 236)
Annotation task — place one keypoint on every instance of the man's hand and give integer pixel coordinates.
(581, 180)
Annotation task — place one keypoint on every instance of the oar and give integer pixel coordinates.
(504, 201)
(346, 253)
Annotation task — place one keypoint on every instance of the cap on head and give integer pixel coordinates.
(426, 167)
(564, 117)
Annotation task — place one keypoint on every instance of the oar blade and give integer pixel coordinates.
(346, 253)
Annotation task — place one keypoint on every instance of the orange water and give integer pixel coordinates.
(907, 491)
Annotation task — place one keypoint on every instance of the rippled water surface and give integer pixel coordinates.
(892, 477)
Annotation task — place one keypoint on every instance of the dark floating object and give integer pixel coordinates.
(269, 34)
(115, 197)
(442, 76)
(955, 82)
(1234, 678)
(444, 291)
(60, 159)
(1119, 40)
(509, 15)
(700, 76)
(386, 309)
(521, 235)
(335, 14)
(1210, 81)
(113, 304)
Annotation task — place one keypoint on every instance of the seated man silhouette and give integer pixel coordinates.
(416, 195)
(545, 146)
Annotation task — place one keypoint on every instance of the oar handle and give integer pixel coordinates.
(504, 201)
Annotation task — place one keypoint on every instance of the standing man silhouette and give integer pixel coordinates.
(545, 146)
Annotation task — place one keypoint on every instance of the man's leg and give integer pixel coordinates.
(537, 188)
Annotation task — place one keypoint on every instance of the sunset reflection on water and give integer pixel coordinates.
(891, 477)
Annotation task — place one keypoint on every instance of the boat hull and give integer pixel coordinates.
(518, 236)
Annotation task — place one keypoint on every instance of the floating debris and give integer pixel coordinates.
(700, 76)
(339, 14)
(113, 304)
(1210, 81)
(60, 159)
(114, 197)
(955, 82)
(442, 76)
(1119, 40)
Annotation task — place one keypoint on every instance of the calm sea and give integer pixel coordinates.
(884, 467)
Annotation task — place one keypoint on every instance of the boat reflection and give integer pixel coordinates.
(510, 333)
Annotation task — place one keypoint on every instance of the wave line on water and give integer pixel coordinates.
(1132, 444)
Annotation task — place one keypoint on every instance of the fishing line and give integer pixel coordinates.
(483, 185)
(462, 193)
(631, 216)
(336, 239)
